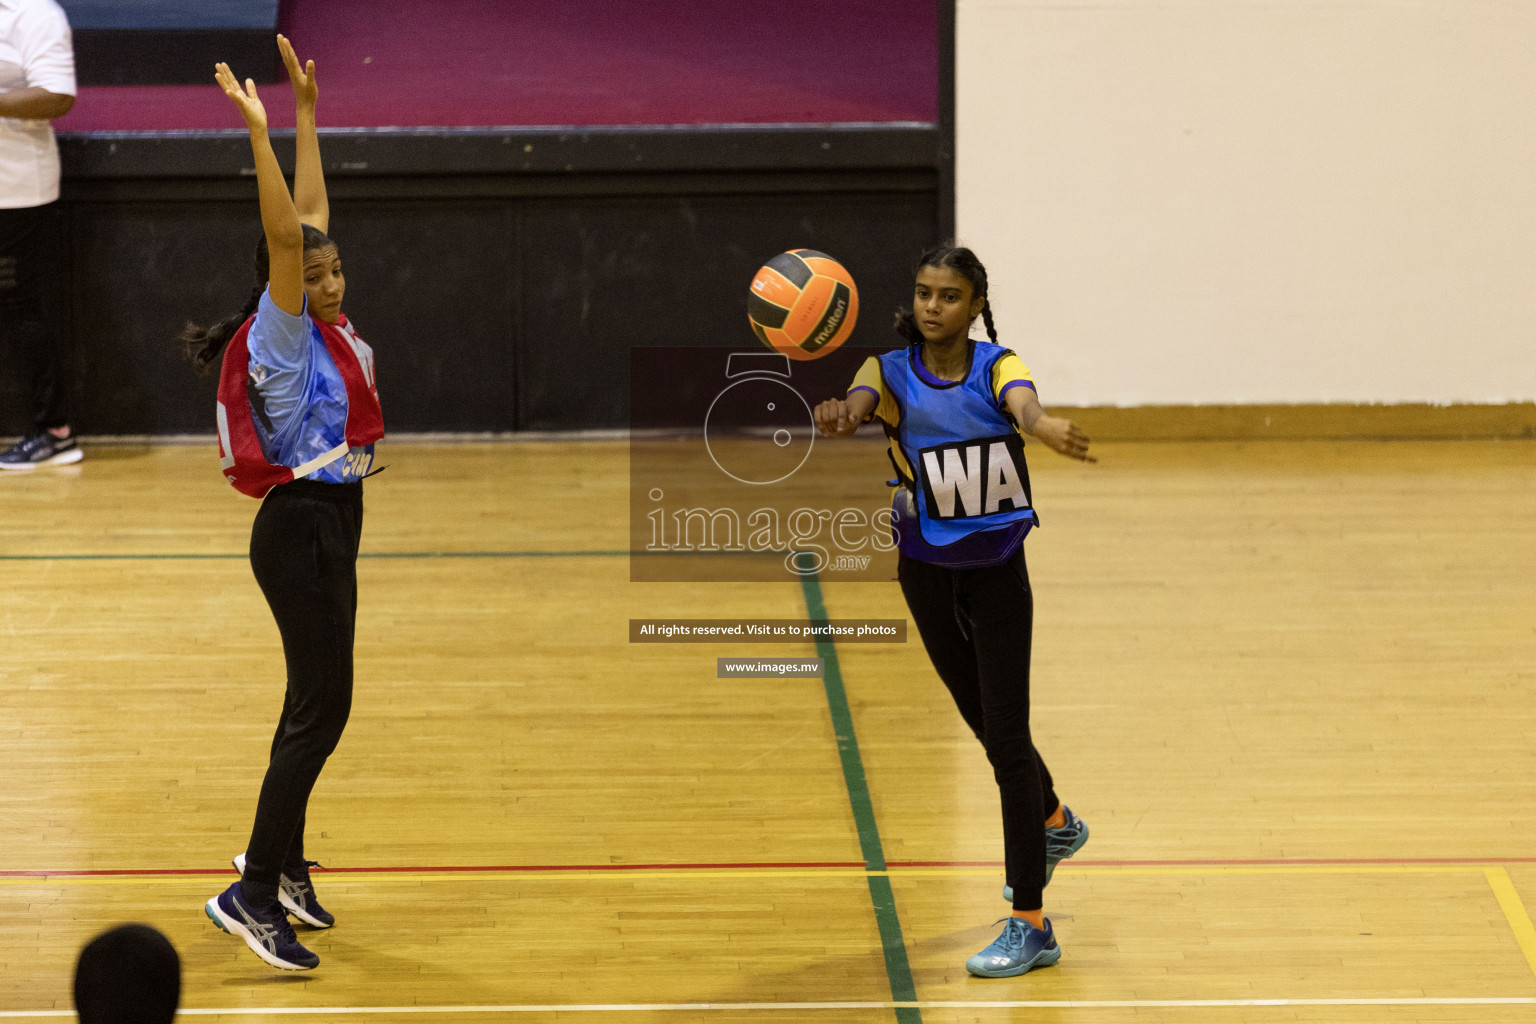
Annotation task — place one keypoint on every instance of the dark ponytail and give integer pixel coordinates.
(204, 345)
(986, 318)
(963, 262)
(906, 326)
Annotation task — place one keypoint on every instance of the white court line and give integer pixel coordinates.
(925, 1004)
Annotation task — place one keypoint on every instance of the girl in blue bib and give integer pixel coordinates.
(954, 410)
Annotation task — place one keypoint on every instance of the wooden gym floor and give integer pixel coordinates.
(1289, 685)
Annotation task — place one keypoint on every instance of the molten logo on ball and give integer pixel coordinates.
(803, 303)
(830, 326)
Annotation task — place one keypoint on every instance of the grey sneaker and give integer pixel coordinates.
(41, 449)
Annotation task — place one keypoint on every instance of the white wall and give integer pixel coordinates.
(1202, 201)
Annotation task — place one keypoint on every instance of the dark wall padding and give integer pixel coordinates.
(171, 42)
(599, 276)
(494, 301)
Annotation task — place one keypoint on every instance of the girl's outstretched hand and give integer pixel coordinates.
(305, 91)
(250, 106)
(1061, 435)
(833, 419)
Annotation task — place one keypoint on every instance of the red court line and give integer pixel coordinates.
(1259, 862)
(117, 872)
(626, 867)
(402, 869)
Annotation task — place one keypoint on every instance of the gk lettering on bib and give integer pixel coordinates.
(978, 477)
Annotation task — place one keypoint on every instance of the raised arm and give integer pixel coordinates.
(308, 174)
(280, 221)
(1058, 433)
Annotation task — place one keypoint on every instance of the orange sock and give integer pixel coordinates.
(1057, 820)
(1034, 917)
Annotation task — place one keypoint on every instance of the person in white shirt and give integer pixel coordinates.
(37, 84)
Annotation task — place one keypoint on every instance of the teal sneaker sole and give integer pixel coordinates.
(215, 919)
(1044, 958)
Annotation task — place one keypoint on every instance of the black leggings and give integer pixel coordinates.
(976, 625)
(23, 238)
(304, 553)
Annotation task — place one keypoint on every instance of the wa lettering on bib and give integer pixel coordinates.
(973, 478)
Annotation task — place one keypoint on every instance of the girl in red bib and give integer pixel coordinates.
(298, 413)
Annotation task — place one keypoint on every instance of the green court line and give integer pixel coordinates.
(897, 970)
(171, 557)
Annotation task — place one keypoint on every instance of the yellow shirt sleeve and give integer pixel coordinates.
(1009, 370)
(870, 379)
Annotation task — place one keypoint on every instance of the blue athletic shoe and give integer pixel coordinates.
(297, 895)
(1022, 947)
(266, 931)
(1060, 844)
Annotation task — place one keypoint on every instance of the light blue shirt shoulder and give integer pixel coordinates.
(281, 352)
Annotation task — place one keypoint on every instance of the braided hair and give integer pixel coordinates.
(963, 262)
(204, 345)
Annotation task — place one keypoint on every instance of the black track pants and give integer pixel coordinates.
(977, 626)
(304, 553)
(22, 324)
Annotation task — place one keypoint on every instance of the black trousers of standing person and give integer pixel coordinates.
(23, 231)
(977, 626)
(304, 553)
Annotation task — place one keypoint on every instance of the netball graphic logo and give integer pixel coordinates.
(759, 430)
(728, 482)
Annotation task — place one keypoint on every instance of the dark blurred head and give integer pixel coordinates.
(129, 975)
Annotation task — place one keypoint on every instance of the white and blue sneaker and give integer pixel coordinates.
(297, 895)
(41, 449)
(1022, 947)
(1060, 844)
(266, 931)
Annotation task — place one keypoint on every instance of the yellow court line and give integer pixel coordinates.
(359, 878)
(1514, 911)
(334, 881)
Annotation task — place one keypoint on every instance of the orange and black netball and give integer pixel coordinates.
(803, 303)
